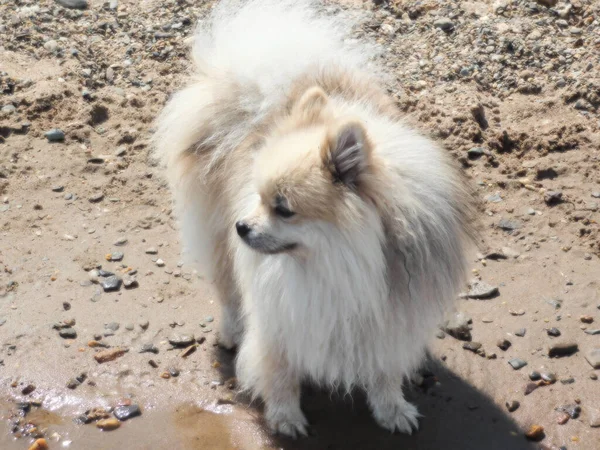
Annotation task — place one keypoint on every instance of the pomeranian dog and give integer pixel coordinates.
(335, 235)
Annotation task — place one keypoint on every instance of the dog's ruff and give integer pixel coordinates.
(353, 227)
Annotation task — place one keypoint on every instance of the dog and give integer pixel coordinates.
(334, 234)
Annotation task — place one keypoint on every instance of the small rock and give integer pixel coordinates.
(110, 354)
(440, 334)
(144, 324)
(112, 326)
(73, 383)
(472, 346)
(593, 357)
(444, 24)
(503, 344)
(553, 197)
(115, 256)
(127, 412)
(98, 197)
(67, 333)
(151, 251)
(39, 444)
(111, 283)
(173, 371)
(562, 349)
(534, 376)
(554, 332)
(458, 326)
(481, 290)
(535, 433)
(160, 262)
(121, 242)
(108, 424)
(572, 410)
(567, 380)
(182, 341)
(595, 418)
(593, 376)
(521, 332)
(512, 406)
(476, 152)
(562, 419)
(130, 282)
(520, 312)
(55, 135)
(586, 319)
(548, 377)
(517, 363)
(129, 327)
(28, 389)
(149, 348)
(58, 188)
(508, 225)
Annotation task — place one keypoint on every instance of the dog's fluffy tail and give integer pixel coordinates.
(247, 54)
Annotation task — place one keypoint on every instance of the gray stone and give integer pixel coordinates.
(549, 377)
(503, 344)
(149, 348)
(458, 326)
(517, 363)
(592, 332)
(120, 242)
(182, 341)
(553, 197)
(98, 197)
(112, 283)
(480, 290)
(55, 135)
(9, 109)
(130, 282)
(593, 357)
(127, 412)
(67, 333)
(521, 332)
(535, 375)
(73, 4)
(508, 225)
(113, 326)
(571, 410)
(512, 406)
(562, 349)
(444, 23)
(472, 346)
(554, 332)
(475, 152)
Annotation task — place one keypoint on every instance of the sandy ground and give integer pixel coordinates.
(511, 88)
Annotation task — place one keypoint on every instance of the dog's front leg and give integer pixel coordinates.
(266, 373)
(390, 409)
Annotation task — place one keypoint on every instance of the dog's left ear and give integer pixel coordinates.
(347, 152)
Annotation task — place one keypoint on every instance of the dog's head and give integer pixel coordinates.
(311, 175)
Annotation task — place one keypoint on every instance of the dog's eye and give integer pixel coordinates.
(282, 211)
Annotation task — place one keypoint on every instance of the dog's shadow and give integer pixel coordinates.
(456, 416)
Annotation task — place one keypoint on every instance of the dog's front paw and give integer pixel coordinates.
(289, 421)
(402, 417)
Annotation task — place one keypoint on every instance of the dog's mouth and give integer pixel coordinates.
(268, 245)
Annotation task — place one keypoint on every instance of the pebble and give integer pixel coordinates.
(567, 380)
(174, 372)
(144, 324)
(480, 290)
(110, 354)
(458, 326)
(472, 346)
(112, 326)
(58, 188)
(120, 242)
(129, 327)
(160, 262)
(553, 197)
(55, 135)
(28, 389)
(475, 152)
(503, 344)
(554, 332)
(586, 319)
(562, 349)
(508, 225)
(149, 348)
(444, 24)
(127, 412)
(595, 418)
(534, 376)
(512, 406)
(151, 251)
(563, 418)
(593, 376)
(521, 332)
(111, 283)
(572, 410)
(115, 256)
(39, 444)
(548, 377)
(517, 363)
(98, 197)
(130, 282)
(67, 333)
(108, 424)
(593, 357)
(535, 433)
(51, 45)
(182, 341)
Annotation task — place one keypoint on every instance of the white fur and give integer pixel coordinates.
(356, 306)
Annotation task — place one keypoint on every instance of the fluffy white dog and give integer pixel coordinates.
(334, 234)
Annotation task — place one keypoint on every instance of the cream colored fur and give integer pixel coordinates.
(282, 115)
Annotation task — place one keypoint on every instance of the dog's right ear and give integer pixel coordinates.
(312, 105)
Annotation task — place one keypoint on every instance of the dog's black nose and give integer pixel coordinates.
(242, 229)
